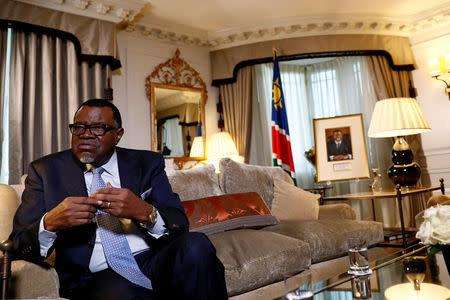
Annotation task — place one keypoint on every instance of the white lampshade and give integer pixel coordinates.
(220, 145)
(434, 66)
(397, 117)
(197, 147)
(447, 62)
(428, 291)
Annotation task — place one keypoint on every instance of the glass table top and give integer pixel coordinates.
(387, 272)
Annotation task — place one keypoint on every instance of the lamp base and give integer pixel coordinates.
(405, 175)
(404, 171)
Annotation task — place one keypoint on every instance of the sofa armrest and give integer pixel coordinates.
(336, 211)
(32, 281)
(25, 280)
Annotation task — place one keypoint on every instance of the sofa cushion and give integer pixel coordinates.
(195, 183)
(293, 203)
(328, 238)
(226, 212)
(255, 258)
(242, 178)
(8, 206)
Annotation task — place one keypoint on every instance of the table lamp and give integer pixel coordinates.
(398, 117)
(221, 145)
(197, 149)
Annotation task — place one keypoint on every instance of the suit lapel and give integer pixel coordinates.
(74, 177)
(129, 170)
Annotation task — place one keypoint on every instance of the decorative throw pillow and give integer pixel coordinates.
(195, 183)
(293, 203)
(242, 178)
(226, 212)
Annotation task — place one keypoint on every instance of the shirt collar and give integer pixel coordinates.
(110, 166)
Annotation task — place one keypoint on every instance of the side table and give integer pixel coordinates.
(398, 193)
(321, 190)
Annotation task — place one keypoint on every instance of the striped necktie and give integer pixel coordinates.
(115, 245)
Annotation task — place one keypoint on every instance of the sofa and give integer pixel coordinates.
(276, 229)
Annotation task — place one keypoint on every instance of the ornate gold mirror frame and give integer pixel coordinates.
(176, 76)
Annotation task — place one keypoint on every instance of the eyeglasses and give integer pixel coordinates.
(96, 129)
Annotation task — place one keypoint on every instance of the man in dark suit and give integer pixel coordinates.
(339, 147)
(62, 209)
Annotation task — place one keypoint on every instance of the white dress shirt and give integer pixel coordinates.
(134, 237)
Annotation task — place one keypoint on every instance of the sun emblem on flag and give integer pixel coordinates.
(276, 92)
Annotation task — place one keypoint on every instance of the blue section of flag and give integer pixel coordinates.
(199, 120)
(279, 115)
(199, 132)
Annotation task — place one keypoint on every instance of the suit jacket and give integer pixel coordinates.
(344, 149)
(54, 177)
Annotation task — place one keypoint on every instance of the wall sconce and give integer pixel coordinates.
(440, 69)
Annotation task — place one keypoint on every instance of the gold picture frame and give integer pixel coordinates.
(341, 152)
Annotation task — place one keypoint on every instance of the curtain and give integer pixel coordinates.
(95, 37)
(47, 86)
(390, 84)
(3, 63)
(172, 137)
(237, 110)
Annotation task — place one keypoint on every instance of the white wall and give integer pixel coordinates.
(434, 102)
(139, 56)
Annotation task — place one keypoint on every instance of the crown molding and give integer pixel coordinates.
(125, 12)
(116, 11)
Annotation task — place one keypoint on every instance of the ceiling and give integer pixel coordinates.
(224, 23)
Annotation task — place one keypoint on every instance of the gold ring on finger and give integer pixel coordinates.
(109, 204)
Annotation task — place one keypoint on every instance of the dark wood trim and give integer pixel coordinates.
(103, 59)
(251, 62)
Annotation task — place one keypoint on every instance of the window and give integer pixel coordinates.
(4, 173)
(330, 87)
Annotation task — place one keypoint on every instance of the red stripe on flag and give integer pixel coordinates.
(281, 146)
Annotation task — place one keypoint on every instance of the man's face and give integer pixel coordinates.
(337, 136)
(92, 149)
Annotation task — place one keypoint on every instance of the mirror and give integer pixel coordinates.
(177, 98)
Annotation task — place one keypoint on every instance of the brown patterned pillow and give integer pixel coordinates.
(226, 212)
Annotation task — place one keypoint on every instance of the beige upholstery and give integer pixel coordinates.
(9, 201)
(336, 211)
(242, 178)
(327, 239)
(195, 183)
(255, 258)
(29, 281)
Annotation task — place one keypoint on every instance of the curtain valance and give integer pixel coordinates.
(226, 62)
(94, 39)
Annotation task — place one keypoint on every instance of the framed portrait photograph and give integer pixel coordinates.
(340, 148)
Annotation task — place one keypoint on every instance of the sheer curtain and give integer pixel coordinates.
(172, 137)
(337, 86)
(47, 85)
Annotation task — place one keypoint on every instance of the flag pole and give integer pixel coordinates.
(274, 52)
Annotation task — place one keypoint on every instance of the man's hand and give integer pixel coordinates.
(72, 211)
(123, 203)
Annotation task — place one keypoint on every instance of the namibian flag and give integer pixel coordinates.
(281, 144)
(199, 120)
